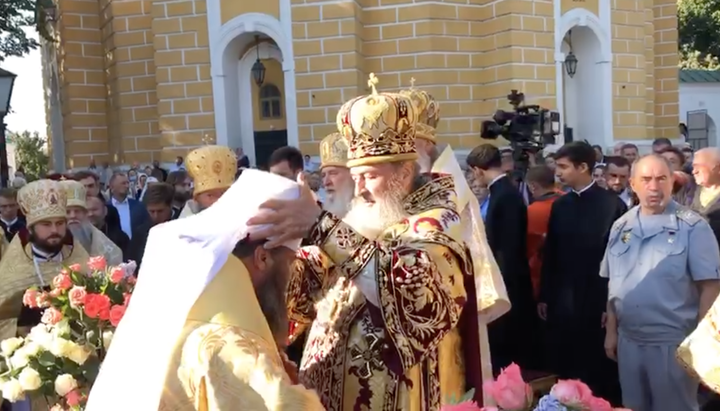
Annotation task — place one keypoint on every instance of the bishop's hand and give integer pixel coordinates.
(287, 220)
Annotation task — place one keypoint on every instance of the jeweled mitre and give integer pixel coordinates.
(379, 127)
(42, 200)
(211, 167)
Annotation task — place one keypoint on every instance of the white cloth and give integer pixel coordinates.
(147, 182)
(169, 287)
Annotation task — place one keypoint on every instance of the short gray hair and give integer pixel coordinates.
(654, 156)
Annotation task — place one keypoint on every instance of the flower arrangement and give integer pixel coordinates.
(60, 358)
(511, 393)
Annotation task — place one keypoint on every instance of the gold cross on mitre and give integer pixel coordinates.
(375, 104)
(206, 140)
(372, 83)
(412, 82)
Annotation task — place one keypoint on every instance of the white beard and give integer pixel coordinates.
(83, 233)
(425, 162)
(338, 203)
(370, 220)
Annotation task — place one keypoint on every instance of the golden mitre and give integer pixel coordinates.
(333, 151)
(428, 110)
(379, 128)
(211, 167)
(75, 192)
(41, 200)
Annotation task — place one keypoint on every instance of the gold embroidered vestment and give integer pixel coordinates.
(405, 352)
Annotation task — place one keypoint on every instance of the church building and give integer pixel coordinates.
(142, 80)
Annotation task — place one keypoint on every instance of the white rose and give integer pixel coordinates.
(19, 359)
(29, 379)
(12, 391)
(31, 349)
(61, 347)
(40, 335)
(61, 328)
(78, 354)
(64, 384)
(9, 346)
(107, 338)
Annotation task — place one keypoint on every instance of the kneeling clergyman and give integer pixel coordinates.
(202, 331)
(385, 322)
(92, 239)
(34, 257)
(212, 169)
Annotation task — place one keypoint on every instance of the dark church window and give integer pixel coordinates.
(270, 101)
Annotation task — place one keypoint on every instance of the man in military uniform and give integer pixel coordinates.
(663, 264)
(212, 169)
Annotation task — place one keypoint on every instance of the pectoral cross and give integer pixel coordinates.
(372, 82)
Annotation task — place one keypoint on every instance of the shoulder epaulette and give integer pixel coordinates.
(689, 216)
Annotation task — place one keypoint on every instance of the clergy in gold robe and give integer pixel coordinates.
(212, 169)
(385, 322)
(492, 300)
(93, 240)
(207, 321)
(36, 254)
(699, 354)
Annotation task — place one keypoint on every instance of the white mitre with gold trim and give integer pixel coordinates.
(145, 338)
(42, 200)
(76, 193)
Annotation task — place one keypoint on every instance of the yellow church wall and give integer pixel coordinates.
(273, 75)
(231, 9)
(667, 107)
(82, 82)
(182, 76)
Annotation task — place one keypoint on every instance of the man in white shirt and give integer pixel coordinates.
(132, 212)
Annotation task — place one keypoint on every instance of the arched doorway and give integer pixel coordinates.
(584, 99)
(233, 51)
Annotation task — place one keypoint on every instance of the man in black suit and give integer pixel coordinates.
(506, 228)
(91, 181)
(158, 200)
(132, 213)
(11, 220)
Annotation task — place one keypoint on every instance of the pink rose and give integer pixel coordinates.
(510, 391)
(131, 280)
(598, 404)
(30, 298)
(118, 311)
(126, 299)
(571, 393)
(62, 282)
(97, 306)
(51, 316)
(77, 296)
(75, 267)
(56, 293)
(116, 275)
(96, 263)
(73, 398)
(463, 406)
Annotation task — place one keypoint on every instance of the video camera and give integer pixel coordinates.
(529, 128)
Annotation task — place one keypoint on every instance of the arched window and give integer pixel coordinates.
(270, 101)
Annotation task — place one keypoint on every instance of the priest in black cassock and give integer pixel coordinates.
(573, 296)
(505, 215)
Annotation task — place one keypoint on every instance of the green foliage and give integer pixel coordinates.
(30, 154)
(15, 17)
(698, 26)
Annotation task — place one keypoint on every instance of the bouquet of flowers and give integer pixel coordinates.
(511, 393)
(60, 358)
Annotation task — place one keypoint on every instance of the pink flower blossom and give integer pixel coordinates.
(57, 407)
(62, 282)
(30, 298)
(56, 293)
(509, 391)
(75, 267)
(73, 398)
(77, 296)
(51, 316)
(116, 275)
(97, 263)
(42, 300)
(598, 404)
(463, 406)
(489, 409)
(572, 393)
(118, 311)
(126, 299)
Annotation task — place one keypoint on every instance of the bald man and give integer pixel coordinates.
(706, 171)
(664, 272)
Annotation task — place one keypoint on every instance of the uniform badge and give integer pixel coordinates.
(625, 237)
(671, 239)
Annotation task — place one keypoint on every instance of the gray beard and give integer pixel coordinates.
(371, 221)
(82, 232)
(339, 203)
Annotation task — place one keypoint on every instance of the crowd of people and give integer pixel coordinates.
(388, 276)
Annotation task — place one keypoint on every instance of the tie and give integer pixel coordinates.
(484, 207)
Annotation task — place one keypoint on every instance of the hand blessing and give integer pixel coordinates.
(287, 219)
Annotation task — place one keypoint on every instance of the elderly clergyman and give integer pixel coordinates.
(217, 317)
(664, 268)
